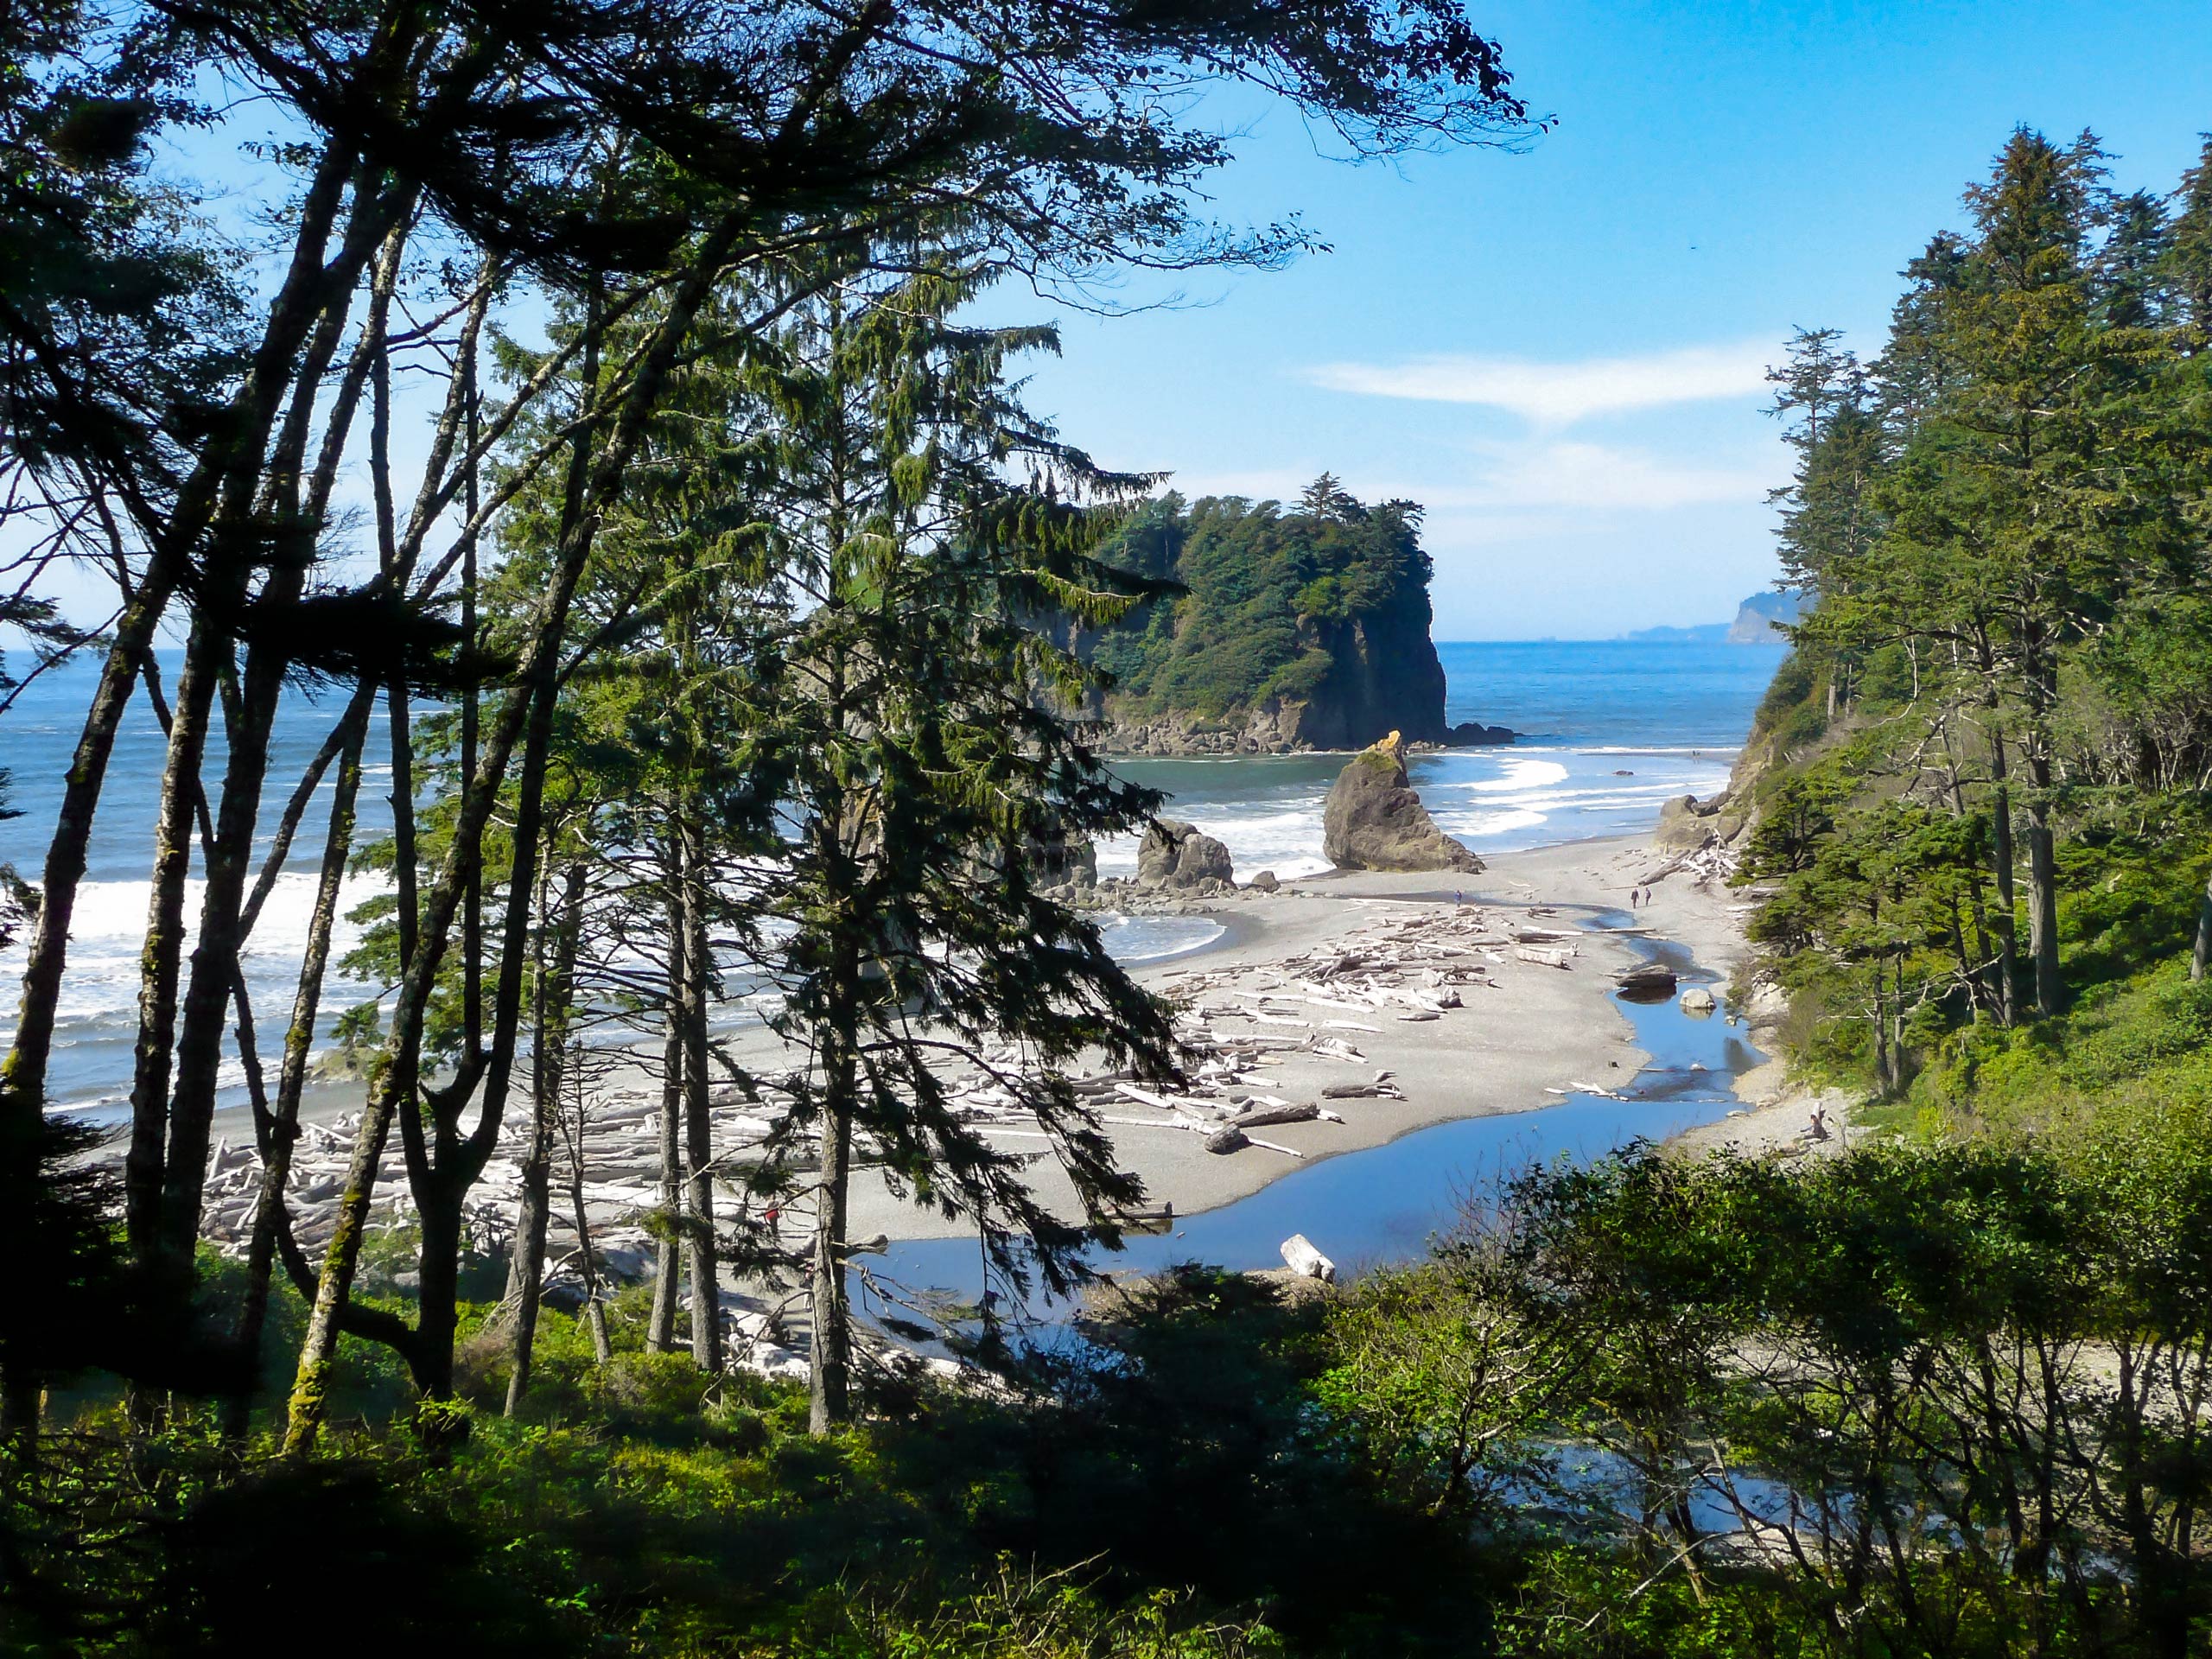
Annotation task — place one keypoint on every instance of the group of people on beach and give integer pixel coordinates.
(1638, 896)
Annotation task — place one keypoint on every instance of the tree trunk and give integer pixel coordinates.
(2008, 945)
(526, 1261)
(660, 1333)
(829, 1370)
(453, 1163)
(439, 1214)
(214, 968)
(161, 957)
(335, 1288)
(1983, 950)
(2043, 891)
(2200, 959)
(602, 1346)
(229, 850)
(698, 1126)
(299, 1044)
(555, 997)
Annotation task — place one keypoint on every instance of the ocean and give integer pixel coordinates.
(1610, 730)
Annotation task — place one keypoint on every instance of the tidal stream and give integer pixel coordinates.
(1383, 1203)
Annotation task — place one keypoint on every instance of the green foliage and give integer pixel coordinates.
(1960, 1375)
(1782, 711)
(1165, 1493)
(1270, 597)
(1985, 754)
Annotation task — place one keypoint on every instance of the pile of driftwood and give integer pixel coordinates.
(605, 1182)
(618, 1179)
(1705, 866)
(1397, 970)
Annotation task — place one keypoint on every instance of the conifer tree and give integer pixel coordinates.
(924, 525)
(2003, 545)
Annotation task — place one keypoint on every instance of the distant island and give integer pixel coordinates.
(1303, 626)
(1760, 621)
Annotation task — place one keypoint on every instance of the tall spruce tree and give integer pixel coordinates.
(2003, 540)
(926, 528)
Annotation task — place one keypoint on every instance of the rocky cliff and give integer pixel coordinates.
(1304, 628)
(1762, 619)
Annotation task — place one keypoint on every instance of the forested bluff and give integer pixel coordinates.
(1271, 629)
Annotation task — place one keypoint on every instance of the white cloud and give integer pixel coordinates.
(1599, 477)
(1560, 394)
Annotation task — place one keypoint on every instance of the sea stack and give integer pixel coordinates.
(1374, 820)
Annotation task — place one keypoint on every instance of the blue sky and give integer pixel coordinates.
(1559, 352)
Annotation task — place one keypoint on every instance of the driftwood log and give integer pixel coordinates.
(1299, 1252)
(1259, 1116)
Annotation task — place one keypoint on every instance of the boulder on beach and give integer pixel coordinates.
(1697, 1000)
(1649, 982)
(1374, 820)
(1686, 824)
(1064, 861)
(1175, 854)
(1265, 882)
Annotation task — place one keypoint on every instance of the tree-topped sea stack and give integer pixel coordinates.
(1374, 820)
(1300, 628)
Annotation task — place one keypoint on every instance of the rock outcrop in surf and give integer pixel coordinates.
(1375, 821)
(1177, 855)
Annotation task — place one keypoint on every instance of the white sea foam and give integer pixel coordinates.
(1288, 843)
(1478, 825)
(1519, 774)
(1498, 799)
(96, 1018)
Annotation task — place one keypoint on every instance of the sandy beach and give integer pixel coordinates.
(1536, 1027)
(1453, 1019)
